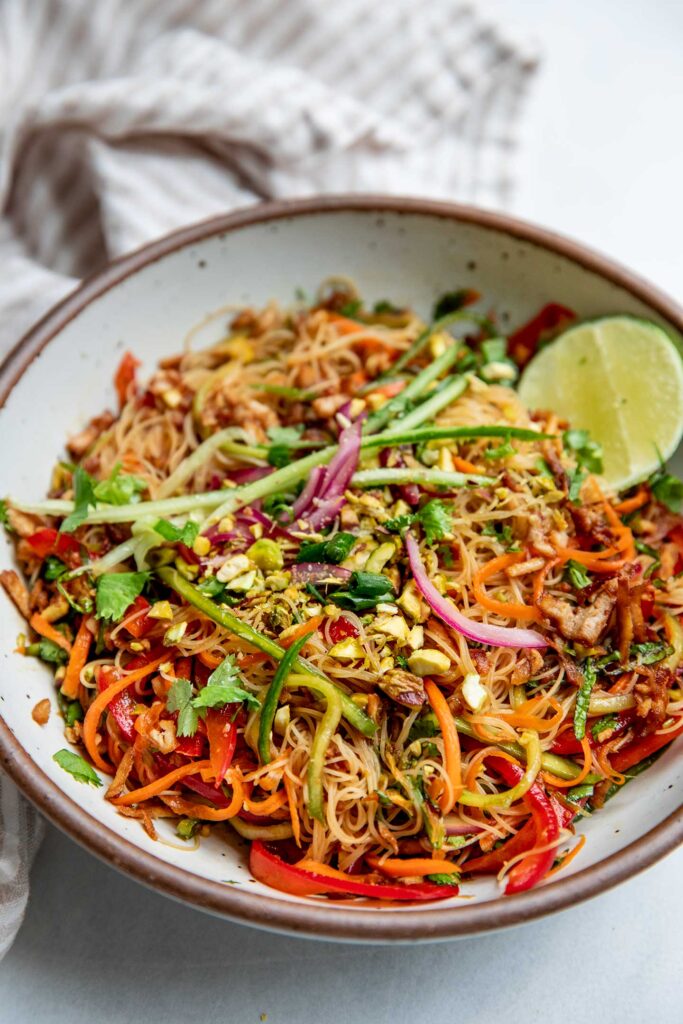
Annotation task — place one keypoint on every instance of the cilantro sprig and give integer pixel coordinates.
(435, 518)
(222, 688)
(77, 766)
(116, 592)
(588, 454)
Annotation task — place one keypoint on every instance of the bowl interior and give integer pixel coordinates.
(410, 257)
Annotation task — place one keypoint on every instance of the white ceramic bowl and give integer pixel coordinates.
(60, 375)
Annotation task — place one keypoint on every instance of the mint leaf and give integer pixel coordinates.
(120, 489)
(84, 497)
(435, 519)
(116, 592)
(77, 766)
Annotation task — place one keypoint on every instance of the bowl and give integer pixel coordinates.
(60, 374)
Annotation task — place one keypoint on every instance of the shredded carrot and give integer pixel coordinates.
(267, 806)
(522, 718)
(302, 630)
(207, 813)
(43, 627)
(293, 810)
(318, 868)
(568, 858)
(602, 757)
(101, 702)
(77, 659)
(451, 745)
(136, 796)
(554, 780)
(463, 466)
(390, 390)
(344, 324)
(540, 578)
(411, 867)
(476, 763)
(634, 503)
(511, 609)
(210, 660)
(595, 560)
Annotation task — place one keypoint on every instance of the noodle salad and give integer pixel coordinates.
(328, 584)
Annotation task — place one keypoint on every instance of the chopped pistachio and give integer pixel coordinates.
(416, 637)
(226, 524)
(136, 646)
(438, 343)
(446, 460)
(376, 400)
(356, 408)
(201, 546)
(499, 371)
(266, 554)
(161, 610)
(256, 530)
(185, 569)
(392, 625)
(411, 603)
(380, 556)
(174, 634)
(387, 609)
(232, 568)
(347, 650)
(386, 664)
(244, 582)
(474, 694)
(281, 720)
(400, 508)
(172, 398)
(429, 662)
(278, 581)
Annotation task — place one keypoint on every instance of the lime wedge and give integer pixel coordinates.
(621, 378)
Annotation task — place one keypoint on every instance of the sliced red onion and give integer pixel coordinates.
(409, 492)
(270, 527)
(499, 636)
(456, 827)
(216, 796)
(314, 487)
(325, 513)
(318, 572)
(247, 475)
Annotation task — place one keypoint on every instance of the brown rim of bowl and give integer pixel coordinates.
(322, 919)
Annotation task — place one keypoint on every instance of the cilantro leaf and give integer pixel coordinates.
(351, 308)
(186, 534)
(435, 519)
(120, 489)
(667, 489)
(332, 551)
(223, 687)
(279, 507)
(588, 452)
(77, 766)
(502, 533)
(116, 591)
(53, 568)
(576, 478)
(576, 574)
(440, 878)
(283, 439)
(84, 497)
(179, 698)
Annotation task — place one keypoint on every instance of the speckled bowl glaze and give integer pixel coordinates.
(60, 374)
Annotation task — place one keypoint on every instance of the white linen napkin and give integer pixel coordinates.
(121, 120)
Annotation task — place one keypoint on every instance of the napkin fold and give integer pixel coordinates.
(121, 120)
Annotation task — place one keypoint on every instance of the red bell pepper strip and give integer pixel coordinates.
(523, 342)
(189, 746)
(142, 624)
(270, 869)
(641, 748)
(125, 377)
(532, 869)
(341, 629)
(122, 706)
(567, 743)
(491, 863)
(676, 537)
(222, 735)
(194, 782)
(49, 541)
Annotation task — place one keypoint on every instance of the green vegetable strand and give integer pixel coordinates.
(273, 696)
(327, 726)
(583, 698)
(398, 404)
(314, 679)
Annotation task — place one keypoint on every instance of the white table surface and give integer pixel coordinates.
(603, 161)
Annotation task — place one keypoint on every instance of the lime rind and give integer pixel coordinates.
(621, 377)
